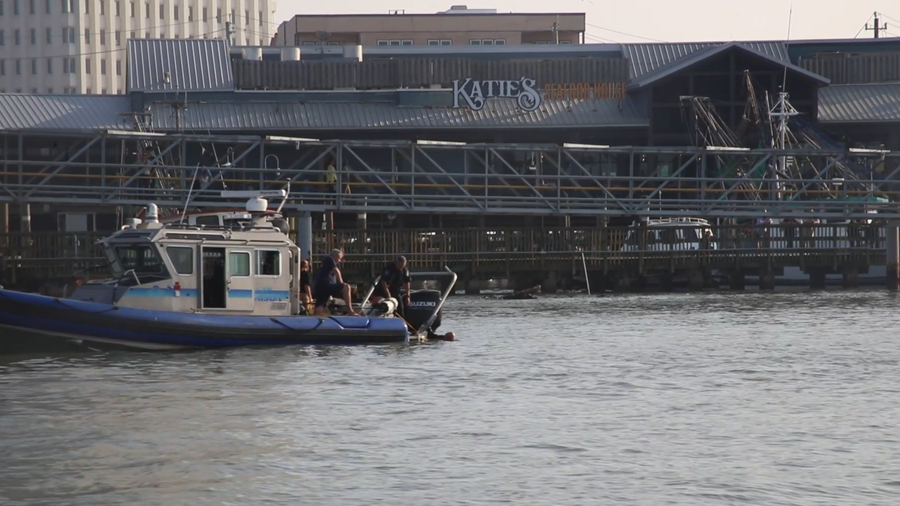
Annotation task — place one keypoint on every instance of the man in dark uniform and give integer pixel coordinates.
(330, 283)
(395, 277)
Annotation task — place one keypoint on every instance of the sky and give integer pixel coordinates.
(663, 20)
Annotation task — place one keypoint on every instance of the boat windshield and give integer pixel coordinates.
(144, 259)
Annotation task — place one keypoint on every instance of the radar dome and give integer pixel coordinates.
(257, 205)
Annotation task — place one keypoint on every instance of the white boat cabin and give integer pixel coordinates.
(244, 264)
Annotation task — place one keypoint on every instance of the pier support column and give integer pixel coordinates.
(817, 278)
(550, 284)
(766, 280)
(892, 254)
(305, 235)
(696, 280)
(736, 281)
(851, 277)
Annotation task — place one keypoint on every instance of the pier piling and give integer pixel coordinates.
(892, 255)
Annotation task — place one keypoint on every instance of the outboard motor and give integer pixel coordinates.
(421, 304)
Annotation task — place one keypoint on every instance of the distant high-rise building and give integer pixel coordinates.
(78, 46)
(459, 25)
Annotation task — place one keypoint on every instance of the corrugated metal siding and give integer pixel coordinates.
(64, 112)
(646, 58)
(416, 73)
(856, 69)
(192, 64)
(859, 103)
(500, 113)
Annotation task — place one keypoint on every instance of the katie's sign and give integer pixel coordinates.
(473, 94)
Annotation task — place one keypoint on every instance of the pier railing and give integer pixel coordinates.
(43, 255)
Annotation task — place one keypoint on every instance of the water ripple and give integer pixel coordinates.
(707, 399)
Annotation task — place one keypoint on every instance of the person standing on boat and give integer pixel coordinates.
(330, 283)
(305, 285)
(395, 276)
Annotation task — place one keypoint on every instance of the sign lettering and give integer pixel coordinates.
(585, 91)
(473, 94)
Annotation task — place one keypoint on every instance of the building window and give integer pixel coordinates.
(49, 65)
(34, 91)
(103, 7)
(162, 11)
(102, 37)
(260, 18)
(204, 15)
(2, 38)
(1, 7)
(33, 37)
(18, 67)
(31, 7)
(69, 35)
(118, 9)
(146, 35)
(50, 91)
(175, 13)
(15, 7)
(440, 42)
(103, 91)
(133, 9)
(499, 42)
(190, 13)
(72, 66)
(50, 35)
(118, 67)
(34, 67)
(49, 8)
(87, 7)
(118, 38)
(103, 66)
(392, 42)
(475, 42)
(88, 91)
(87, 35)
(87, 66)
(147, 10)
(247, 18)
(18, 37)
(218, 15)
(2, 67)
(67, 6)
(132, 35)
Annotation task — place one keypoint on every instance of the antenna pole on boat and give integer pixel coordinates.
(287, 193)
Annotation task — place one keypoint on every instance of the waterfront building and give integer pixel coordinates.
(78, 46)
(456, 26)
(845, 91)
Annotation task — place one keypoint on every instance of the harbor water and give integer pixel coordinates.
(768, 399)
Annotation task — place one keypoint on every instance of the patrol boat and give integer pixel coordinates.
(180, 285)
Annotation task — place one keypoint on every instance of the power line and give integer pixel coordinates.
(623, 33)
(864, 26)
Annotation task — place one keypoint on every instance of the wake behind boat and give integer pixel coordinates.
(179, 286)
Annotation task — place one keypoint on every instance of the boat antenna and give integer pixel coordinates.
(287, 193)
(191, 190)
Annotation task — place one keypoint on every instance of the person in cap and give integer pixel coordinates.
(330, 283)
(394, 278)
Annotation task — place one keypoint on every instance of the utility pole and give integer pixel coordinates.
(555, 30)
(877, 28)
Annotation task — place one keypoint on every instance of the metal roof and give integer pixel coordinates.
(648, 57)
(64, 112)
(710, 51)
(860, 103)
(498, 113)
(191, 65)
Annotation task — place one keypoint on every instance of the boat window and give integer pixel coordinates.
(143, 258)
(208, 221)
(239, 263)
(182, 258)
(268, 263)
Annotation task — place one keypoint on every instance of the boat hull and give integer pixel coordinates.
(31, 322)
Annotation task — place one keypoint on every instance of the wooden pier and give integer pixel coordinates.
(556, 258)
